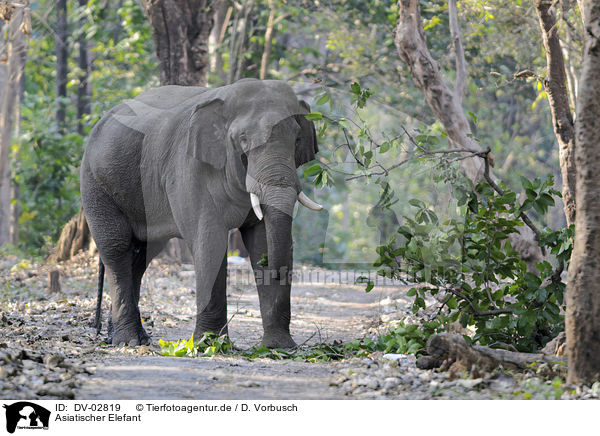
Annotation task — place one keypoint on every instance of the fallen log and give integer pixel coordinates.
(450, 350)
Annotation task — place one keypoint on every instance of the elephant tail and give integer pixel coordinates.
(98, 321)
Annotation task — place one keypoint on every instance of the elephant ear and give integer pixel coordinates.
(306, 147)
(207, 133)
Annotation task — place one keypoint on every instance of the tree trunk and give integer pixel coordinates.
(558, 97)
(222, 16)
(10, 97)
(445, 103)
(118, 27)
(74, 236)
(15, 189)
(238, 39)
(83, 93)
(180, 31)
(61, 62)
(264, 62)
(583, 299)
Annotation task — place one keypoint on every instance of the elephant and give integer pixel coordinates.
(192, 163)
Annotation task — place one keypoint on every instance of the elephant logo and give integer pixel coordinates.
(26, 415)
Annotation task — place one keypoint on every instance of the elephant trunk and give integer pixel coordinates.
(278, 209)
(279, 241)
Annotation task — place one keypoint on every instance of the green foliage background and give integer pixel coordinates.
(334, 43)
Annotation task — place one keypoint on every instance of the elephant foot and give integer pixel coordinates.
(219, 331)
(278, 340)
(205, 324)
(130, 335)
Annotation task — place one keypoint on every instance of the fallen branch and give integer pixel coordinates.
(448, 351)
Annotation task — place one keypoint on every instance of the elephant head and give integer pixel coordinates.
(257, 133)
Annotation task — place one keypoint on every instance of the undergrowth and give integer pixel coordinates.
(403, 339)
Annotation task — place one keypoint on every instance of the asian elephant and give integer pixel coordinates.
(193, 163)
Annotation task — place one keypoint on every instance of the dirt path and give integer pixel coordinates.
(58, 325)
(48, 349)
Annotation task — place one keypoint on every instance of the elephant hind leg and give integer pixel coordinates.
(114, 238)
(142, 254)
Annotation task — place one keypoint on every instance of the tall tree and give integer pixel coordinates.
(264, 62)
(61, 62)
(15, 48)
(180, 29)
(446, 103)
(558, 97)
(75, 235)
(215, 40)
(583, 298)
(425, 71)
(83, 90)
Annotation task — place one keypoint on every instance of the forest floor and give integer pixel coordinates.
(49, 350)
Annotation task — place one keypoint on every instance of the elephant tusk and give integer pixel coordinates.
(256, 206)
(305, 201)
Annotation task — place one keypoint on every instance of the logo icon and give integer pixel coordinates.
(26, 415)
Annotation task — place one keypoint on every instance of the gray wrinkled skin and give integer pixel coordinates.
(181, 162)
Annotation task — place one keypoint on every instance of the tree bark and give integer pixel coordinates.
(583, 299)
(62, 55)
(10, 98)
(83, 93)
(445, 103)
(180, 30)
(558, 97)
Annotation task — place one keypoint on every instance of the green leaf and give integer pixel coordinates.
(323, 99)
(452, 303)
(312, 170)
(264, 260)
(314, 116)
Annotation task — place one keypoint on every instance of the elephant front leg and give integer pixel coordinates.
(273, 293)
(211, 280)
